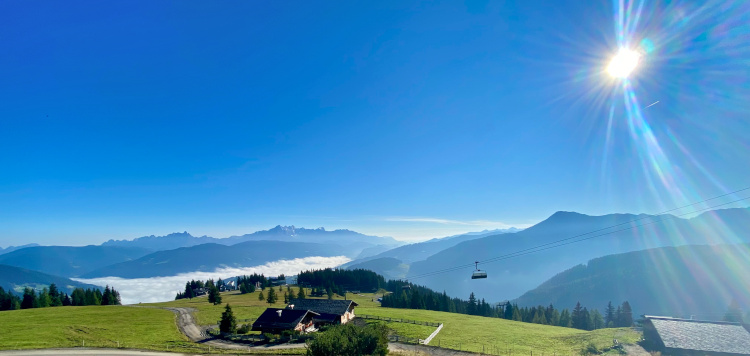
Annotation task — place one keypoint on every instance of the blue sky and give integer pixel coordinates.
(408, 119)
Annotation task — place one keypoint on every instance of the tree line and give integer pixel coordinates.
(245, 284)
(406, 295)
(340, 280)
(53, 297)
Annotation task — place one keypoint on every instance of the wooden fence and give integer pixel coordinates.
(397, 320)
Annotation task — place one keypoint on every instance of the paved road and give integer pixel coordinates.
(82, 351)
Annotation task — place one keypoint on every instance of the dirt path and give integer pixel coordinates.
(635, 350)
(187, 325)
(411, 349)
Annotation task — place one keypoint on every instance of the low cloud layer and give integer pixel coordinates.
(161, 289)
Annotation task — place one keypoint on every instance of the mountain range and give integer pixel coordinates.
(394, 263)
(209, 257)
(16, 279)
(697, 281)
(10, 249)
(69, 261)
(511, 273)
(351, 241)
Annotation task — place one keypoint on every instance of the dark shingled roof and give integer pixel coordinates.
(289, 318)
(707, 336)
(322, 306)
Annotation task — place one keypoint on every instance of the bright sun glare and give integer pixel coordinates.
(623, 63)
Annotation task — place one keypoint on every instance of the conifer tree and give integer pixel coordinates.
(261, 297)
(609, 316)
(271, 299)
(627, 315)
(213, 295)
(471, 309)
(29, 300)
(577, 317)
(44, 299)
(597, 321)
(565, 319)
(508, 311)
(301, 293)
(228, 323)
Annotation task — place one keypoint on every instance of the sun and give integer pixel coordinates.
(623, 63)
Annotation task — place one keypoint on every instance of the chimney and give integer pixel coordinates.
(291, 306)
(279, 311)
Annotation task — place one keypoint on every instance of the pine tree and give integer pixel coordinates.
(539, 317)
(261, 297)
(577, 317)
(44, 299)
(292, 295)
(471, 309)
(107, 296)
(627, 315)
(555, 318)
(271, 296)
(29, 300)
(609, 316)
(585, 320)
(66, 302)
(508, 311)
(214, 296)
(55, 296)
(301, 293)
(517, 315)
(597, 321)
(286, 298)
(565, 319)
(228, 323)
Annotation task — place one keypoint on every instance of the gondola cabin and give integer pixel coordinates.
(478, 274)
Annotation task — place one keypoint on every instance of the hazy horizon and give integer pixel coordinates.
(413, 120)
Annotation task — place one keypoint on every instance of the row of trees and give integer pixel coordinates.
(246, 284)
(53, 297)
(340, 280)
(411, 296)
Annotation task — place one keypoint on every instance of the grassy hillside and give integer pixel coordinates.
(97, 326)
(465, 332)
(155, 329)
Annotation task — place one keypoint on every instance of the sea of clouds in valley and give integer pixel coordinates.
(161, 289)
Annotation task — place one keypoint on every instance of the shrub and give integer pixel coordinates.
(244, 329)
(348, 339)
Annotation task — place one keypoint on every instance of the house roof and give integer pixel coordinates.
(707, 336)
(322, 306)
(287, 319)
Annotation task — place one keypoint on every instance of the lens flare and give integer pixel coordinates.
(623, 63)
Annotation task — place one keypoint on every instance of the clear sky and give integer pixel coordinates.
(408, 119)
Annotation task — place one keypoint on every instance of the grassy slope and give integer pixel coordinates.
(460, 331)
(97, 326)
(154, 329)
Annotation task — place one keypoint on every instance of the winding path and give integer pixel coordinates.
(187, 325)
